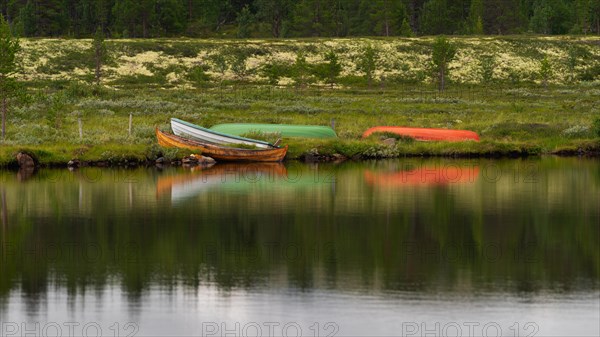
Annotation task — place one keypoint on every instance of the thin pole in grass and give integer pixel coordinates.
(130, 123)
(80, 125)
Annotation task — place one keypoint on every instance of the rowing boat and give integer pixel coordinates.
(285, 130)
(221, 153)
(426, 134)
(186, 129)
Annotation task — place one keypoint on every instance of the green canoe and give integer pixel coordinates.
(286, 130)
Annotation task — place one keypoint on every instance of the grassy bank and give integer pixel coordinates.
(524, 121)
(514, 114)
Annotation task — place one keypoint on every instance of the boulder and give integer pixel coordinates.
(339, 157)
(389, 141)
(190, 160)
(24, 160)
(206, 160)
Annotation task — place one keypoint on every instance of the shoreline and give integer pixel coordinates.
(44, 159)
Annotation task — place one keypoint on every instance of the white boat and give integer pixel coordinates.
(193, 131)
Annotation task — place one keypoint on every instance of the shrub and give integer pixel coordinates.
(198, 76)
(487, 64)
(274, 71)
(597, 126)
(576, 131)
(545, 70)
(237, 60)
(367, 61)
(591, 73)
(330, 70)
(302, 71)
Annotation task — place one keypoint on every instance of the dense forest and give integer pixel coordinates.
(299, 18)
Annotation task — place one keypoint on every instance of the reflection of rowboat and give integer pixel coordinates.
(193, 131)
(427, 134)
(221, 152)
(432, 176)
(195, 181)
(286, 130)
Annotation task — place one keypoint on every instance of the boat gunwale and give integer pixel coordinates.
(223, 152)
(198, 127)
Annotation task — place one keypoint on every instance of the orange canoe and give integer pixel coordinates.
(426, 134)
(221, 153)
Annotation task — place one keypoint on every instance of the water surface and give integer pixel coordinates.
(393, 247)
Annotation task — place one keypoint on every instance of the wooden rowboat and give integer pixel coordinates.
(196, 132)
(426, 134)
(221, 153)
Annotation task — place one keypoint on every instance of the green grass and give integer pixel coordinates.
(512, 115)
(528, 120)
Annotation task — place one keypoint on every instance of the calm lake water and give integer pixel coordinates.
(402, 247)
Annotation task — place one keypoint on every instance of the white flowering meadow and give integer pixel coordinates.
(516, 58)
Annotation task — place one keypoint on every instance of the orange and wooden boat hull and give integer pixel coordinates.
(221, 153)
(426, 134)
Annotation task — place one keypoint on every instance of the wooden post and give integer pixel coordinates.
(4, 216)
(80, 128)
(130, 123)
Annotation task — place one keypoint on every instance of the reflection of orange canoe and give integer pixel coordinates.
(424, 176)
(251, 172)
(426, 133)
(221, 153)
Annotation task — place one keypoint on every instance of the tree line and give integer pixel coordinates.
(298, 18)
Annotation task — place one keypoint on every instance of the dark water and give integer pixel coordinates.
(401, 247)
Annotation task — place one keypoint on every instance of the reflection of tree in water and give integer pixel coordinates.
(305, 235)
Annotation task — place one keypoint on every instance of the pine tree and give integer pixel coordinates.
(475, 22)
(313, 18)
(9, 47)
(551, 17)
(125, 17)
(367, 63)
(503, 17)
(381, 15)
(331, 69)
(301, 72)
(274, 12)
(435, 18)
(442, 54)
(27, 19)
(545, 71)
(99, 49)
(171, 17)
(405, 29)
(244, 21)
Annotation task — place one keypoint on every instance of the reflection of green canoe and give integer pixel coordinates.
(286, 130)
